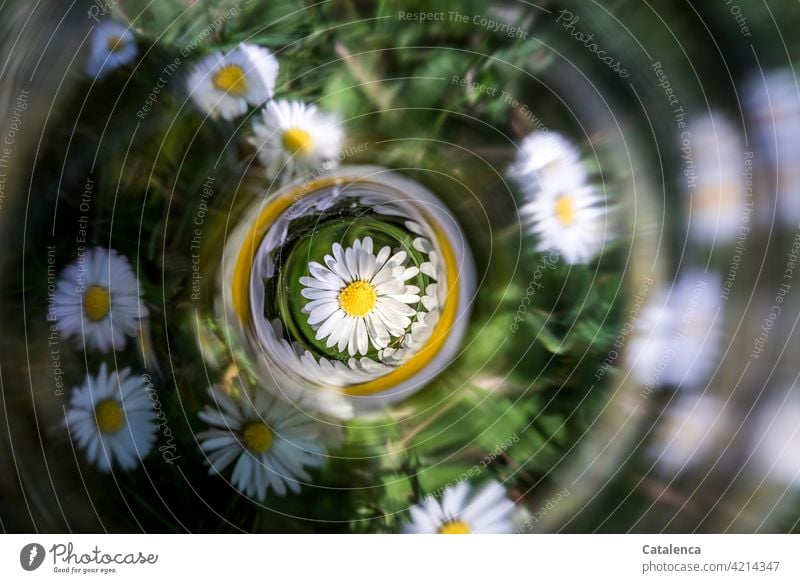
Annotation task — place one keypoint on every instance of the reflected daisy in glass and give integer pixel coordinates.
(293, 138)
(112, 45)
(270, 440)
(111, 417)
(224, 84)
(97, 302)
(359, 298)
(488, 511)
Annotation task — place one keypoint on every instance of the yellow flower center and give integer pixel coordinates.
(96, 303)
(565, 210)
(231, 78)
(358, 299)
(110, 416)
(257, 437)
(455, 527)
(114, 44)
(297, 141)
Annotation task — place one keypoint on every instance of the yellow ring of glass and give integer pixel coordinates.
(268, 215)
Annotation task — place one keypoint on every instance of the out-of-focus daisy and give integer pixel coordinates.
(461, 512)
(112, 418)
(773, 101)
(271, 441)
(547, 160)
(112, 45)
(293, 138)
(716, 205)
(776, 451)
(696, 323)
(676, 340)
(224, 84)
(97, 302)
(570, 220)
(360, 298)
(694, 427)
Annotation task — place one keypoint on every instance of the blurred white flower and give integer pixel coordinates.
(776, 451)
(694, 428)
(112, 418)
(293, 138)
(560, 207)
(97, 302)
(271, 441)
(570, 220)
(717, 193)
(460, 512)
(676, 340)
(112, 45)
(547, 160)
(773, 101)
(224, 84)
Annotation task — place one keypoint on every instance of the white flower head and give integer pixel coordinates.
(776, 451)
(546, 160)
(694, 428)
(487, 512)
(224, 84)
(360, 298)
(271, 441)
(112, 45)
(293, 138)
(97, 302)
(772, 98)
(569, 220)
(677, 338)
(111, 417)
(717, 201)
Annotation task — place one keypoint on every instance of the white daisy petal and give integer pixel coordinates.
(330, 324)
(321, 312)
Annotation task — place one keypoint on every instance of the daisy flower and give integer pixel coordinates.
(271, 440)
(717, 201)
(360, 298)
(547, 159)
(693, 428)
(112, 418)
(487, 512)
(224, 84)
(293, 138)
(112, 45)
(569, 220)
(776, 451)
(772, 100)
(677, 339)
(97, 301)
